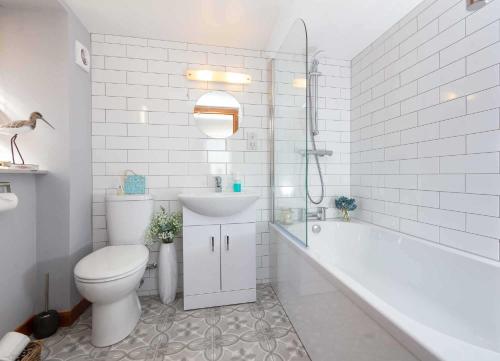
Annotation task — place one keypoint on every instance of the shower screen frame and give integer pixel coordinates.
(300, 214)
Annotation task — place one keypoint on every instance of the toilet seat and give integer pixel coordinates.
(111, 263)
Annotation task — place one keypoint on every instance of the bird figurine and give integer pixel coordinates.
(15, 127)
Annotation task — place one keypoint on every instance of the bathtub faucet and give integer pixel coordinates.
(319, 214)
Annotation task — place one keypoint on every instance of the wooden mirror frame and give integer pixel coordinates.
(234, 112)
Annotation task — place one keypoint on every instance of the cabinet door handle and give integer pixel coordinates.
(213, 243)
(227, 243)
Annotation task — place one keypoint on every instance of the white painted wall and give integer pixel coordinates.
(425, 136)
(25, 88)
(18, 255)
(37, 72)
(80, 129)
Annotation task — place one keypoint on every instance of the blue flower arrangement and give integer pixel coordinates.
(345, 205)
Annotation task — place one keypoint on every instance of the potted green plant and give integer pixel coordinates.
(345, 205)
(163, 229)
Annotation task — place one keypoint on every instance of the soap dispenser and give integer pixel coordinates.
(236, 183)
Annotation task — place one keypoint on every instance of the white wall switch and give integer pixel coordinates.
(251, 141)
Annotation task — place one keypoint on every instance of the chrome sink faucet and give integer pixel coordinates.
(218, 184)
(319, 214)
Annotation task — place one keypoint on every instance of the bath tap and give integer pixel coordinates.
(218, 184)
(319, 214)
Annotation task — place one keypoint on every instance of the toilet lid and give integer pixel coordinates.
(111, 262)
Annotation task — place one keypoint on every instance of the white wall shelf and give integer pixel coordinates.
(22, 171)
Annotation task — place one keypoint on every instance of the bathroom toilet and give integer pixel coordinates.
(108, 277)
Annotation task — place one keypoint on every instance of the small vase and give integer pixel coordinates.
(345, 215)
(167, 272)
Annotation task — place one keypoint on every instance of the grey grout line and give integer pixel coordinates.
(419, 29)
(438, 52)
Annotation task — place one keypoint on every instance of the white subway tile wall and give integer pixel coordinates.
(425, 136)
(142, 120)
(291, 137)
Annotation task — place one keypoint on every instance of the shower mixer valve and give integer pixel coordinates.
(319, 214)
(318, 152)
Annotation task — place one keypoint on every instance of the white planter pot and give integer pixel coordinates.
(167, 272)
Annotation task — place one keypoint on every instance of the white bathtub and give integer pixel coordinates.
(439, 303)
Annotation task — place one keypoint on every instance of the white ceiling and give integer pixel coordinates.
(341, 27)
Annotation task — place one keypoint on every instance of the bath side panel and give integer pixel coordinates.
(329, 324)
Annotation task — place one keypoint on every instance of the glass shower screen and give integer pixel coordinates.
(289, 129)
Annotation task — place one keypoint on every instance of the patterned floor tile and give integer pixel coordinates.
(290, 348)
(237, 322)
(243, 351)
(258, 331)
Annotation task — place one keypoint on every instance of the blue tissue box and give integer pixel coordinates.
(134, 184)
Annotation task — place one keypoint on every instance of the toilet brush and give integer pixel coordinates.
(45, 323)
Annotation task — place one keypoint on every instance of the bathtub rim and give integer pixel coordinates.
(446, 248)
(389, 318)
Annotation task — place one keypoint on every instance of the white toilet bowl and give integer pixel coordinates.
(108, 279)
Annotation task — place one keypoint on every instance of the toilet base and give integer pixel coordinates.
(112, 322)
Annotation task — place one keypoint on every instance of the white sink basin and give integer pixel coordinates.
(217, 204)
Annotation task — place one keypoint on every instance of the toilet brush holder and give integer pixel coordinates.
(46, 323)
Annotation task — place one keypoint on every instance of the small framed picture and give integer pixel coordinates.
(82, 56)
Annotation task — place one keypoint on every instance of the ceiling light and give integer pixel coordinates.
(219, 76)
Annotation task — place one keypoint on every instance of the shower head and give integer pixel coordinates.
(314, 63)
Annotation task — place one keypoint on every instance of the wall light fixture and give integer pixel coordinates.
(218, 76)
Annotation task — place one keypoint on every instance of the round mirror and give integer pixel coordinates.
(217, 114)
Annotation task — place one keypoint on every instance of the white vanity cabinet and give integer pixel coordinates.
(201, 252)
(237, 261)
(219, 259)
